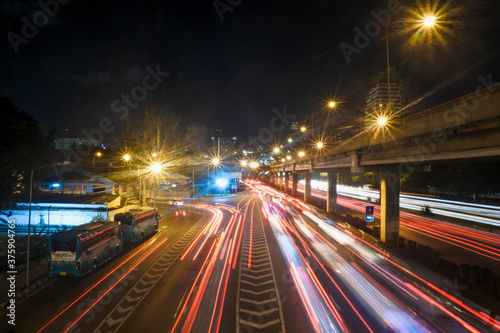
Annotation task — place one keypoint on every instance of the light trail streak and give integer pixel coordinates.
(201, 234)
(479, 315)
(476, 212)
(402, 321)
(101, 280)
(114, 284)
(209, 290)
(313, 299)
(251, 234)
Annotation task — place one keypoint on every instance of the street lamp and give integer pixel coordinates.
(426, 23)
(29, 217)
(382, 121)
(156, 169)
(215, 163)
(98, 154)
(332, 104)
(429, 21)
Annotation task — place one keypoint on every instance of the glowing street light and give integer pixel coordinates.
(276, 150)
(382, 121)
(98, 154)
(320, 145)
(303, 129)
(332, 104)
(289, 157)
(127, 157)
(429, 21)
(254, 165)
(156, 168)
(301, 153)
(243, 163)
(215, 161)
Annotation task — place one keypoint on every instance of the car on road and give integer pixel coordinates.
(180, 213)
(175, 202)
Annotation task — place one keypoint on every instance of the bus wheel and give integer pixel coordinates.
(156, 226)
(94, 266)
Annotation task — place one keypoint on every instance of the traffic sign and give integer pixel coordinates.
(369, 210)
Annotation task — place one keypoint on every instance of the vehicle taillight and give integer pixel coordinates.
(184, 213)
(77, 265)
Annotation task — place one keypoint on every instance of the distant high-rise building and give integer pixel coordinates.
(378, 99)
(65, 143)
(294, 124)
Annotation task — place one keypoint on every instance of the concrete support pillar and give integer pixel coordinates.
(389, 205)
(331, 194)
(295, 181)
(307, 187)
(272, 177)
(287, 179)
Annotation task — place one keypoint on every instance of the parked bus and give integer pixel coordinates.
(82, 249)
(138, 223)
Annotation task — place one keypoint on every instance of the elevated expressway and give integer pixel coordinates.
(466, 128)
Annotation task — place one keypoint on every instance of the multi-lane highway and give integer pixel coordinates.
(472, 212)
(454, 242)
(253, 262)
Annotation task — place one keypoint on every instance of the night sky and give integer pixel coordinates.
(231, 73)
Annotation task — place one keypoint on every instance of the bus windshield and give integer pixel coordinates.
(63, 244)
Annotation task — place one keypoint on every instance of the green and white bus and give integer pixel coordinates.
(81, 250)
(138, 223)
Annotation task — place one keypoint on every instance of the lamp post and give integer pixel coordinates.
(427, 22)
(98, 154)
(156, 168)
(213, 163)
(29, 217)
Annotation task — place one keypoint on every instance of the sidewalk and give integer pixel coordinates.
(38, 276)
